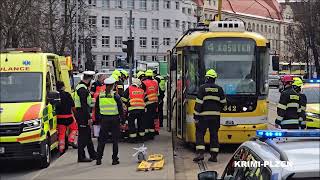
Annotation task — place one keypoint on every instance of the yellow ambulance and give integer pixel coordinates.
(27, 103)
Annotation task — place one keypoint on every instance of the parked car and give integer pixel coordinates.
(274, 80)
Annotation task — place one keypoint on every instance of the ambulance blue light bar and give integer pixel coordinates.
(313, 80)
(287, 133)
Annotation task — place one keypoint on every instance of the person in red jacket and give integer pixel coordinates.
(151, 97)
(65, 119)
(134, 99)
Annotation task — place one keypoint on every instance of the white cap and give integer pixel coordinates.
(136, 81)
(89, 73)
(109, 80)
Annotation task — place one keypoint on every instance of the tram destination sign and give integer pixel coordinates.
(229, 46)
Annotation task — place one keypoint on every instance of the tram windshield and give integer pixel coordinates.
(234, 61)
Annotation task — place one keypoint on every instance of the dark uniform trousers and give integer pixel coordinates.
(150, 115)
(213, 124)
(109, 125)
(133, 115)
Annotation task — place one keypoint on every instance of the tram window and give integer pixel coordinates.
(192, 73)
(264, 64)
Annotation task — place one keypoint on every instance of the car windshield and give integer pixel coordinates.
(20, 87)
(313, 94)
(234, 61)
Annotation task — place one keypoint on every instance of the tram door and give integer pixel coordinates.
(180, 99)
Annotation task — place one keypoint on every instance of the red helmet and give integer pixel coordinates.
(286, 79)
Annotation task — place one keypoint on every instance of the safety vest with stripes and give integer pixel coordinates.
(77, 98)
(136, 96)
(151, 91)
(108, 105)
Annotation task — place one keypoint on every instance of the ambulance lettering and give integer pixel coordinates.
(14, 69)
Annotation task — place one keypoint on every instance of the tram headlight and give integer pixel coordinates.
(244, 108)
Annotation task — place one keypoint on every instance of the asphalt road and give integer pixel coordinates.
(185, 168)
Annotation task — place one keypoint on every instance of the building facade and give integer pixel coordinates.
(156, 26)
(265, 17)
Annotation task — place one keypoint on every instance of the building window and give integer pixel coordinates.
(258, 28)
(194, 25)
(155, 43)
(118, 4)
(154, 58)
(277, 30)
(176, 39)
(105, 21)
(155, 5)
(118, 22)
(189, 11)
(132, 23)
(92, 21)
(105, 60)
(94, 57)
(94, 41)
(183, 10)
(273, 30)
(166, 23)
(166, 41)
(143, 4)
(183, 25)
(155, 24)
(166, 4)
(177, 24)
(105, 3)
(118, 41)
(189, 25)
(253, 27)
(143, 42)
(143, 58)
(105, 41)
(210, 17)
(130, 4)
(261, 28)
(269, 30)
(177, 5)
(143, 23)
(266, 28)
(92, 2)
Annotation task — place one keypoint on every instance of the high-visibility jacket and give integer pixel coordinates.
(210, 101)
(108, 105)
(289, 108)
(162, 84)
(151, 91)
(77, 98)
(136, 96)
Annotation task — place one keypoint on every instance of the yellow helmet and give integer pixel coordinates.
(124, 72)
(211, 73)
(297, 82)
(140, 73)
(149, 73)
(116, 77)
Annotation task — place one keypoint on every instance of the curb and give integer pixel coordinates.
(171, 168)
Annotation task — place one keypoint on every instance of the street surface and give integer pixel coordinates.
(66, 167)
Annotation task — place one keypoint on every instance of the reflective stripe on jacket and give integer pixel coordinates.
(108, 105)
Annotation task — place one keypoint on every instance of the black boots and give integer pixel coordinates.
(115, 161)
(98, 162)
(213, 157)
(73, 145)
(200, 157)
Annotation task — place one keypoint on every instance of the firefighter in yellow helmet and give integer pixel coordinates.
(209, 103)
(119, 88)
(297, 85)
(151, 97)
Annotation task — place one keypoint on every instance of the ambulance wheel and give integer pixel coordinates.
(46, 158)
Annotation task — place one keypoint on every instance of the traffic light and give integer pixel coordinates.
(128, 49)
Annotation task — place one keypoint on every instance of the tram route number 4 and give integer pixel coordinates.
(229, 123)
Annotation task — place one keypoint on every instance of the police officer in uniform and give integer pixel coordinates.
(288, 106)
(297, 85)
(83, 104)
(119, 87)
(109, 112)
(209, 103)
(151, 98)
(134, 99)
(162, 89)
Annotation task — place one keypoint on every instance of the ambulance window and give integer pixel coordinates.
(48, 83)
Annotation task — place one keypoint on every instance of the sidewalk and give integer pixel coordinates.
(66, 167)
